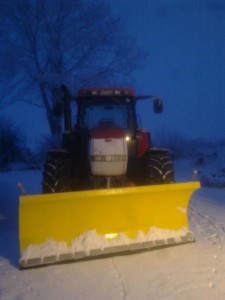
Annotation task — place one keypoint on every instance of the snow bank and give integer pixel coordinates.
(92, 244)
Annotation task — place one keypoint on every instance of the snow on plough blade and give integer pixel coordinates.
(77, 225)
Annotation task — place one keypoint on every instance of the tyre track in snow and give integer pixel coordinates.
(206, 228)
(119, 279)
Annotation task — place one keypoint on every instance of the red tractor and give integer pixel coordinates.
(106, 184)
(105, 147)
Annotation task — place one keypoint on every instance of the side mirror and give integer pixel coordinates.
(158, 105)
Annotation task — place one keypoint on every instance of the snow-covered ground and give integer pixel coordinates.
(191, 271)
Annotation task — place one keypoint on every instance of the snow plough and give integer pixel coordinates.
(106, 190)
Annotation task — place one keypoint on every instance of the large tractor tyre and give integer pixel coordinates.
(57, 175)
(158, 168)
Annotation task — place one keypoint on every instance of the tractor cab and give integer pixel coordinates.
(109, 106)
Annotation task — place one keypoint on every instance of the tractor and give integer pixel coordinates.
(105, 147)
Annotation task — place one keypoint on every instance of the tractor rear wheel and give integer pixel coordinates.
(158, 168)
(56, 175)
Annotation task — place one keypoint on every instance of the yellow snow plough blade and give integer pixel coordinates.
(74, 225)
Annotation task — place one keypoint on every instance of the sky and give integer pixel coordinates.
(185, 41)
(186, 45)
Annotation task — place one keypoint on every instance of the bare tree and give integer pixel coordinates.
(77, 42)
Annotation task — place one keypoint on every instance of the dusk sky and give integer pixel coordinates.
(186, 67)
(186, 64)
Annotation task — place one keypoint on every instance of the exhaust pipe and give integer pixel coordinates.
(67, 108)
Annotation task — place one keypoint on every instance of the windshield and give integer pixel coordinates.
(95, 112)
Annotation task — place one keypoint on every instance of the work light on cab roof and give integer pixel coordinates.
(106, 92)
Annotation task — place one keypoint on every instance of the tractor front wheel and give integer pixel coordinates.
(56, 175)
(158, 167)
